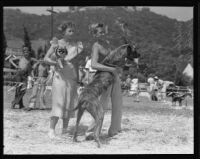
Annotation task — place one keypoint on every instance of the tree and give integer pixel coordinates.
(178, 36)
(39, 52)
(182, 80)
(27, 42)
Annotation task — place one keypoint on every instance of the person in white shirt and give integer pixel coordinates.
(151, 82)
(155, 88)
(134, 88)
(90, 72)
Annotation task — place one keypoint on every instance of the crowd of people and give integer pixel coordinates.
(155, 87)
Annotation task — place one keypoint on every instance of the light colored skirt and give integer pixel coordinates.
(64, 92)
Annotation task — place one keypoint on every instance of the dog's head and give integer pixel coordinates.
(121, 56)
(61, 52)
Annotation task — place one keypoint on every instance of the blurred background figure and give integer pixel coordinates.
(30, 82)
(41, 74)
(164, 90)
(24, 70)
(154, 90)
(160, 84)
(134, 91)
(151, 82)
(82, 79)
(128, 82)
(90, 72)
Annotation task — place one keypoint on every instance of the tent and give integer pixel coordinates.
(188, 71)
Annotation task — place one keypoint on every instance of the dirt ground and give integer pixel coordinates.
(147, 128)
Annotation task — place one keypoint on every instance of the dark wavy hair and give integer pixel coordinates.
(66, 24)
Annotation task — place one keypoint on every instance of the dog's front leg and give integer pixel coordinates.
(97, 130)
(97, 113)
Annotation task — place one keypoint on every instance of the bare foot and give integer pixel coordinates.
(52, 135)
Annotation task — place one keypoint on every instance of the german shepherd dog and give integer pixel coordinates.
(89, 97)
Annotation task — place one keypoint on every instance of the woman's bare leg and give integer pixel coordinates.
(53, 122)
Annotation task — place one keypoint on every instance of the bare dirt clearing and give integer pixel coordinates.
(147, 128)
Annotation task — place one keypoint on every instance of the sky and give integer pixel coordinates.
(179, 13)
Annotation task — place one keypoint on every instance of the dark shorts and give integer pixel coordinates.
(21, 76)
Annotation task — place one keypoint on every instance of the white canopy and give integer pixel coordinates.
(188, 71)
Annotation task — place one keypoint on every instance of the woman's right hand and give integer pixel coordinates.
(114, 71)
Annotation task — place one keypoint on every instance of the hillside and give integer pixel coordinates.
(162, 41)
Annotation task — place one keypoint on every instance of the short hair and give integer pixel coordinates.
(93, 27)
(66, 24)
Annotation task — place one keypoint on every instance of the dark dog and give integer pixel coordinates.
(89, 97)
(178, 97)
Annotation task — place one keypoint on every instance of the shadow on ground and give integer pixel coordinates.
(83, 128)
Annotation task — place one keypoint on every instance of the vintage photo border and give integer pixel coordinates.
(196, 57)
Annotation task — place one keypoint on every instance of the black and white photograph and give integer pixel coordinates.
(98, 80)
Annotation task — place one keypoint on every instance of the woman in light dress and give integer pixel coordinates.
(64, 86)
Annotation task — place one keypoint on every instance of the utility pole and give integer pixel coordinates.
(52, 12)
